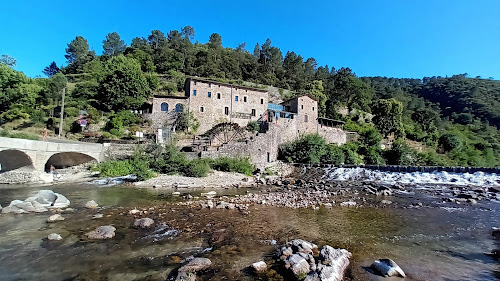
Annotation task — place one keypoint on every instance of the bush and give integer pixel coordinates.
(18, 135)
(306, 149)
(351, 154)
(402, 154)
(253, 126)
(114, 168)
(238, 164)
(334, 155)
(450, 142)
(197, 168)
(71, 112)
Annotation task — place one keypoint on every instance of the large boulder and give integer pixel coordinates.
(196, 264)
(144, 223)
(259, 266)
(102, 232)
(387, 267)
(49, 199)
(330, 265)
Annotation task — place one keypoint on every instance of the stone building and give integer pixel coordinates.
(212, 103)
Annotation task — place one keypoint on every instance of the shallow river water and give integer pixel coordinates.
(435, 242)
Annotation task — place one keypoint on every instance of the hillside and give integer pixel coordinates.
(457, 118)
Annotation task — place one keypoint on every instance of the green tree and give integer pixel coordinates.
(8, 60)
(350, 90)
(113, 45)
(156, 39)
(187, 32)
(316, 89)
(51, 70)
(122, 85)
(387, 117)
(215, 41)
(78, 54)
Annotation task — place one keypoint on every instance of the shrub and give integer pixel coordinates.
(197, 168)
(334, 155)
(238, 164)
(306, 149)
(450, 142)
(351, 154)
(71, 112)
(37, 116)
(402, 154)
(253, 126)
(114, 168)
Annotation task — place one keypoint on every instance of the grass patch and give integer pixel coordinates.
(238, 164)
(18, 135)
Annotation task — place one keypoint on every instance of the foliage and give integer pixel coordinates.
(402, 154)
(334, 155)
(388, 114)
(197, 168)
(17, 135)
(8, 60)
(253, 126)
(449, 142)
(351, 154)
(240, 165)
(113, 45)
(306, 149)
(51, 70)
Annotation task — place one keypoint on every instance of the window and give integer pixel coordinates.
(235, 98)
(301, 106)
(253, 112)
(306, 118)
(179, 107)
(202, 109)
(226, 110)
(261, 101)
(164, 106)
(209, 94)
(245, 99)
(194, 92)
(313, 108)
(195, 83)
(218, 96)
(268, 157)
(210, 85)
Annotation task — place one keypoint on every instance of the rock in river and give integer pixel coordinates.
(41, 202)
(102, 232)
(387, 267)
(54, 237)
(55, 218)
(188, 271)
(144, 223)
(91, 204)
(259, 266)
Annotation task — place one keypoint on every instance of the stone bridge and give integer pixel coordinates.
(40, 155)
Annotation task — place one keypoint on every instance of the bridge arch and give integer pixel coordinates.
(12, 159)
(64, 160)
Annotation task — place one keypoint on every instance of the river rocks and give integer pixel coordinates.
(55, 218)
(259, 266)
(134, 212)
(97, 216)
(144, 223)
(188, 271)
(387, 267)
(348, 204)
(91, 204)
(330, 265)
(102, 232)
(54, 237)
(41, 202)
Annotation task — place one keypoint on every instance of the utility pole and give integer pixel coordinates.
(62, 112)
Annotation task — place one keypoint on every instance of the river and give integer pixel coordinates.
(431, 241)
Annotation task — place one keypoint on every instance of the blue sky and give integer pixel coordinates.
(394, 38)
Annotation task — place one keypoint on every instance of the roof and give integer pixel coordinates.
(169, 97)
(297, 97)
(225, 84)
(333, 120)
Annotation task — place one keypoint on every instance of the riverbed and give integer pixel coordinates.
(429, 239)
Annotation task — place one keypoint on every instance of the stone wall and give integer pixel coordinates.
(307, 113)
(159, 117)
(332, 135)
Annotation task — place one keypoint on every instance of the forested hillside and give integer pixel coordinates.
(453, 120)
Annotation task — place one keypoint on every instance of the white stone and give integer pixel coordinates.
(259, 266)
(144, 223)
(55, 218)
(387, 267)
(91, 204)
(102, 232)
(54, 237)
(134, 212)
